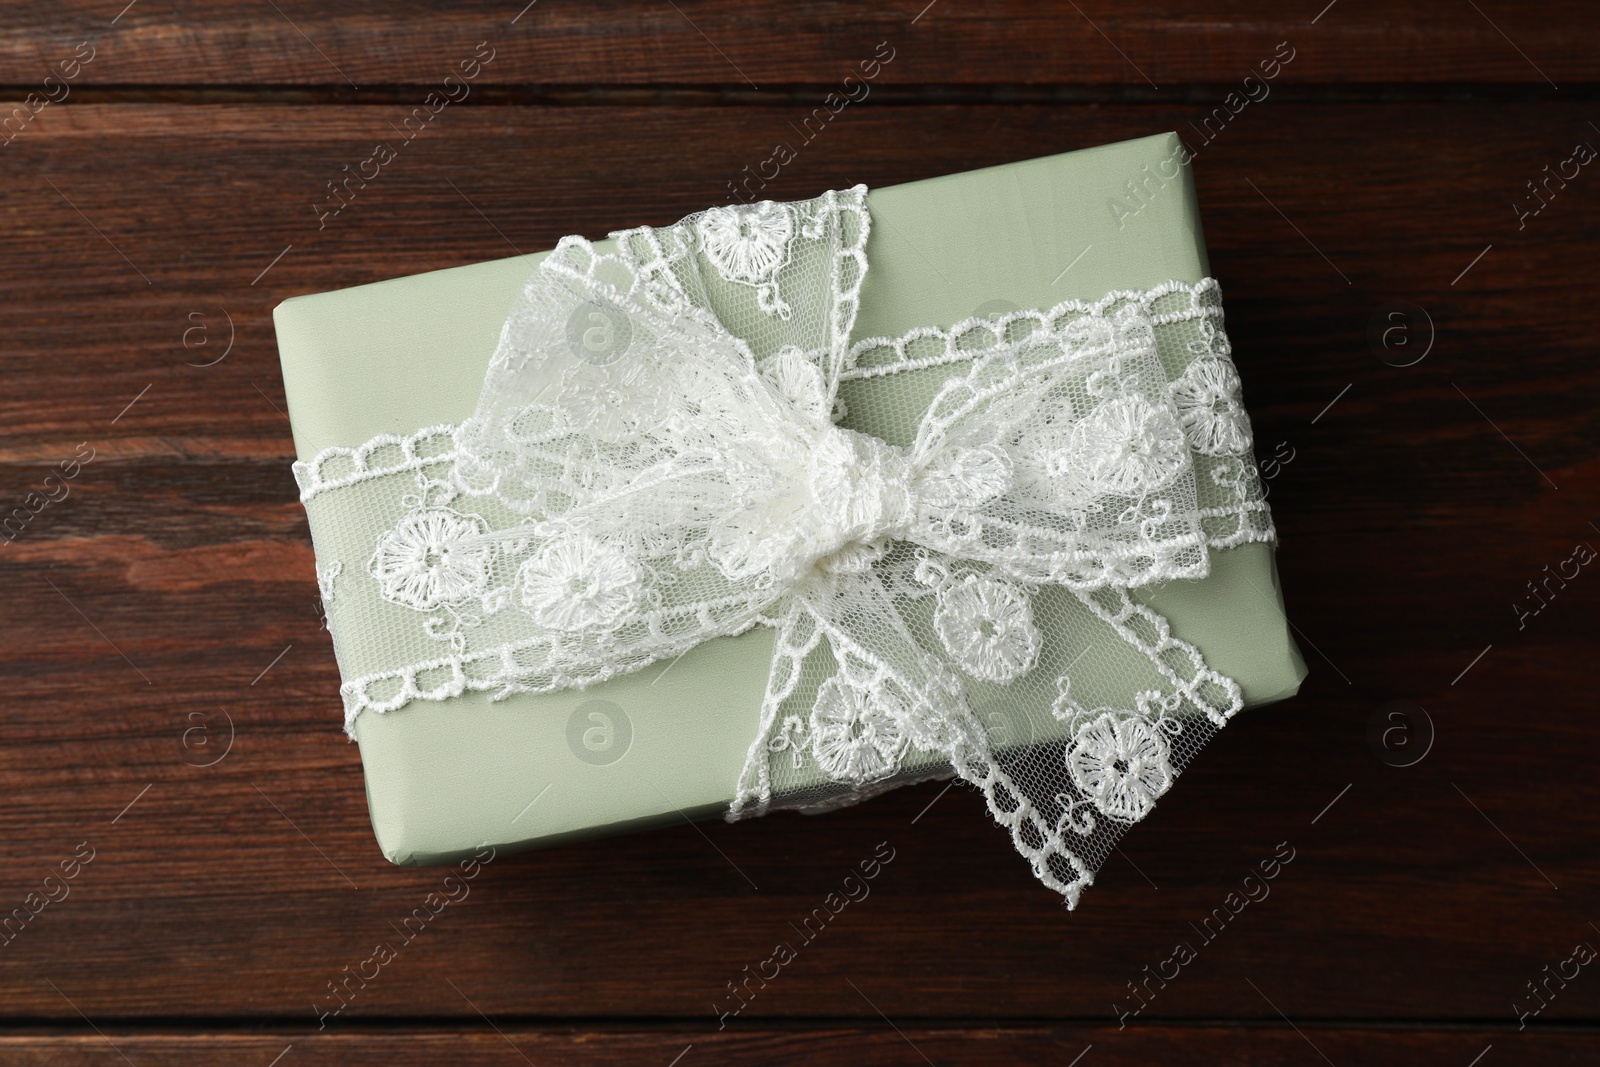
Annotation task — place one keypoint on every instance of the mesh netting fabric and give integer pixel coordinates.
(947, 530)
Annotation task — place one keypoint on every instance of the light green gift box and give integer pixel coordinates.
(668, 741)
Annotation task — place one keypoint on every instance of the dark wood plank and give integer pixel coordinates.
(749, 45)
(178, 569)
(1271, 1045)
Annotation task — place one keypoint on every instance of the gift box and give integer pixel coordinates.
(365, 369)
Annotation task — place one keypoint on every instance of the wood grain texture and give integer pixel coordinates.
(759, 45)
(178, 569)
(171, 699)
(910, 1046)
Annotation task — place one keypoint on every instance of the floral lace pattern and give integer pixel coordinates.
(579, 583)
(1210, 404)
(328, 580)
(612, 504)
(426, 560)
(749, 243)
(855, 736)
(1126, 447)
(1121, 765)
(986, 625)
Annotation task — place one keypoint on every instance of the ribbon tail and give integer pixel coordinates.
(1196, 688)
(939, 718)
(884, 712)
(847, 695)
(797, 637)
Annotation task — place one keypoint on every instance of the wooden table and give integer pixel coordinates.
(1413, 321)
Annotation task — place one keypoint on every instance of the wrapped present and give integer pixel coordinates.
(788, 504)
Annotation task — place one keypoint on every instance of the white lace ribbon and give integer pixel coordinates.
(656, 461)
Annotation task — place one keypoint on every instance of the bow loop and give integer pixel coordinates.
(1059, 458)
(683, 471)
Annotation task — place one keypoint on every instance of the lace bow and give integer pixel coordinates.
(657, 459)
